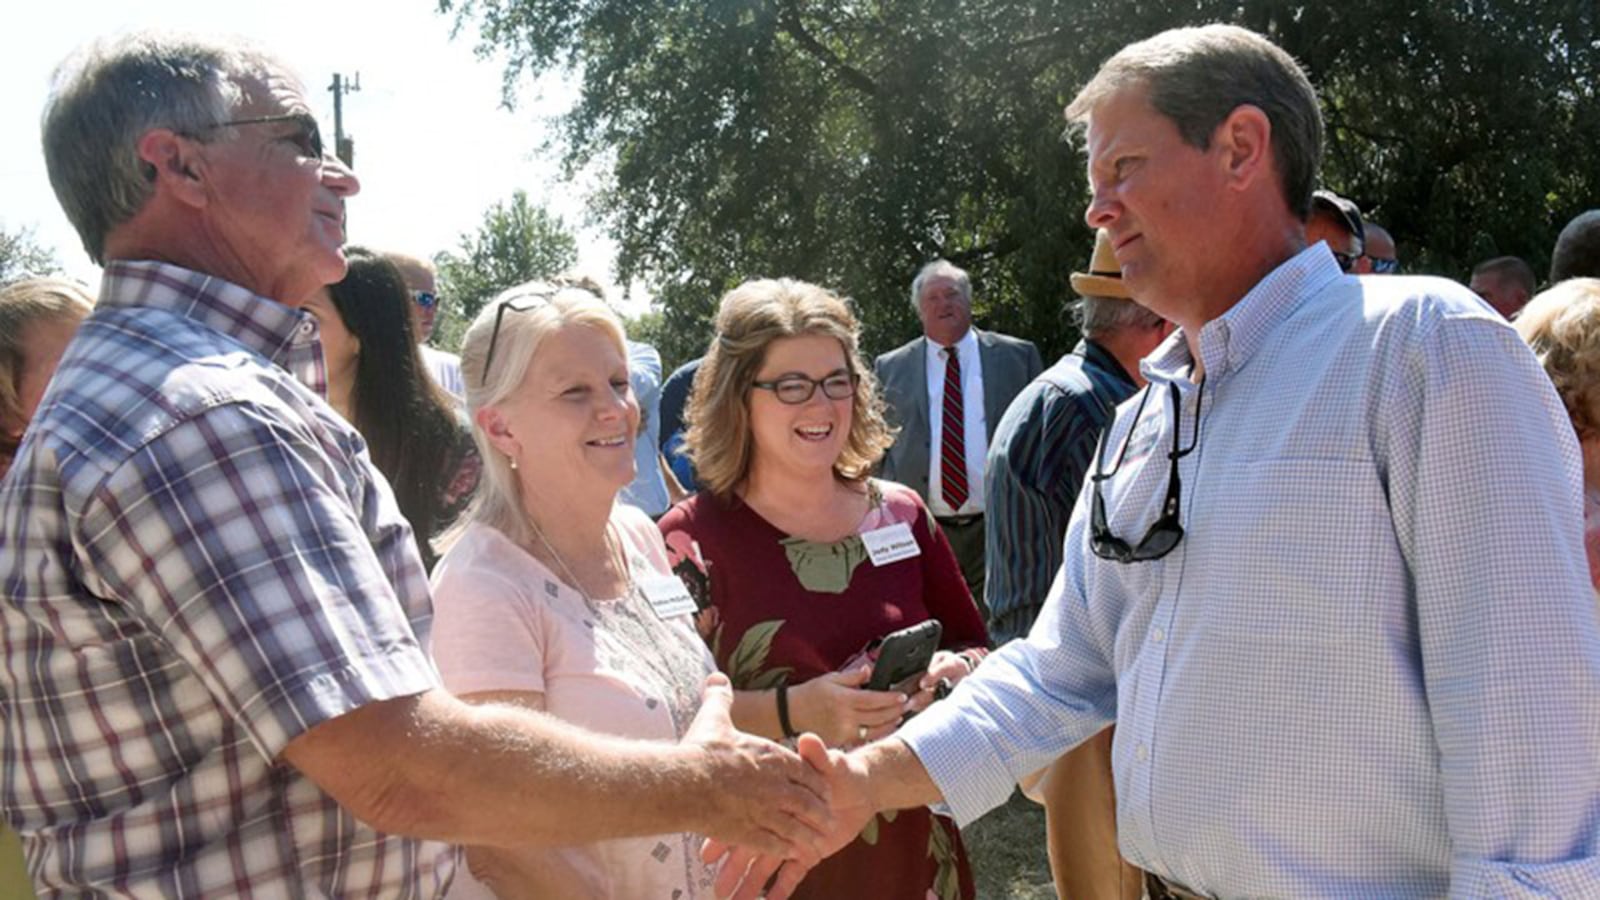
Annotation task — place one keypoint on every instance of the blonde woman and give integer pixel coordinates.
(804, 559)
(38, 317)
(1562, 325)
(557, 598)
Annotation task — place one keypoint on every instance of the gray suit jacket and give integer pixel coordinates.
(1008, 365)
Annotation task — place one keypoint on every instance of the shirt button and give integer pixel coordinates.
(1158, 635)
(1141, 751)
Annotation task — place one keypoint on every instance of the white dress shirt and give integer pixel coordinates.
(445, 367)
(975, 433)
(1371, 667)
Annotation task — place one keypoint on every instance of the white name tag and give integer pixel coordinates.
(890, 543)
(667, 595)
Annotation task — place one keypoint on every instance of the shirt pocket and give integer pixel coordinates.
(1306, 548)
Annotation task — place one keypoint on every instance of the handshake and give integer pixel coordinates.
(770, 814)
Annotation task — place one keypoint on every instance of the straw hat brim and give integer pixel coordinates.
(1099, 285)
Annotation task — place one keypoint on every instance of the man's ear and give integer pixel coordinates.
(1244, 142)
(173, 164)
(494, 425)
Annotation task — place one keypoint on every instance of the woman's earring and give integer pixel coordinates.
(513, 461)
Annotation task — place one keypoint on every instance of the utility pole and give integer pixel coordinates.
(343, 147)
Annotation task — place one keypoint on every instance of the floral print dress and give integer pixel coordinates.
(779, 608)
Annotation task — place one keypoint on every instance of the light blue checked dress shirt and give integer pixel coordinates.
(1371, 668)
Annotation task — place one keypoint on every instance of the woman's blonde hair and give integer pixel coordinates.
(23, 303)
(526, 314)
(749, 319)
(1562, 325)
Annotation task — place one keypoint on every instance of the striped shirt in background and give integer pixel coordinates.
(201, 563)
(1042, 450)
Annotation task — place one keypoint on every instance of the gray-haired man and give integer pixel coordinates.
(214, 616)
(945, 391)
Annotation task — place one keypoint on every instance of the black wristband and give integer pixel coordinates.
(783, 711)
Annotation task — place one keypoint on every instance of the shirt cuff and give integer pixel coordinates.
(960, 760)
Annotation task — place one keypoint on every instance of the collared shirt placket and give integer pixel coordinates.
(1142, 740)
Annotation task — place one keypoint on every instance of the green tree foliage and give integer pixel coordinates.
(21, 256)
(651, 328)
(517, 242)
(848, 142)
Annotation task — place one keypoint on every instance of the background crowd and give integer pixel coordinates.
(277, 566)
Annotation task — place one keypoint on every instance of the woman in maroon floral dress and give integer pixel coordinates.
(801, 560)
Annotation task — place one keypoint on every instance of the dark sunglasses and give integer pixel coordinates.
(1346, 261)
(1383, 266)
(425, 299)
(309, 137)
(1165, 533)
(794, 390)
(532, 299)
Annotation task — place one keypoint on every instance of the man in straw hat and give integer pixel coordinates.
(1327, 575)
(1041, 453)
(1045, 442)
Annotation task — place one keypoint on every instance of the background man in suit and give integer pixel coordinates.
(943, 390)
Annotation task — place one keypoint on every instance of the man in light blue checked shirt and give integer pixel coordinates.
(1327, 575)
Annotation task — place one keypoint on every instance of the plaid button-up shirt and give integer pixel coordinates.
(200, 563)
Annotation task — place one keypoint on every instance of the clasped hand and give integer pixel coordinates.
(748, 873)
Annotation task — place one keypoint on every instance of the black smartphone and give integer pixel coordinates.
(903, 657)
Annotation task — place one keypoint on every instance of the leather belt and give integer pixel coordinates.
(959, 521)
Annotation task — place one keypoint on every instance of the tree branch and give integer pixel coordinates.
(789, 19)
(995, 249)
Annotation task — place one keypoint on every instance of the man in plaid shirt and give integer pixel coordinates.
(214, 615)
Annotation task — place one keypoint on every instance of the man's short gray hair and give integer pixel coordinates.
(941, 268)
(111, 92)
(1198, 76)
(1098, 316)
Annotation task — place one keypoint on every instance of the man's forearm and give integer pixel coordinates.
(430, 766)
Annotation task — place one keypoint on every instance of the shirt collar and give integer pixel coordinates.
(285, 335)
(1228, 341)
(1100, 357)
(965, 347)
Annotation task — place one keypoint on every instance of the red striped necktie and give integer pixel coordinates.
(953, 442)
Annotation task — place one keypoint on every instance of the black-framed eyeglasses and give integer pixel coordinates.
(1383, 266)
(425, 299)
(796, 389)
(1166, 531)
(521, 302)
(309, 137)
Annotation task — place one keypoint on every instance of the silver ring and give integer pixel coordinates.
(861, 732)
